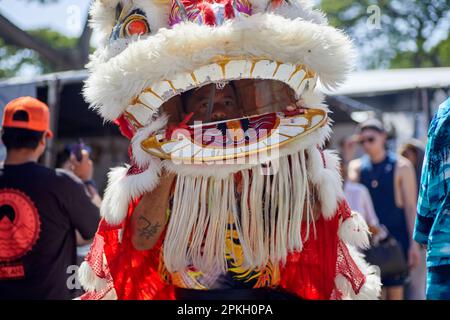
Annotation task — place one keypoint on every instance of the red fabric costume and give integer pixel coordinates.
(309, 274)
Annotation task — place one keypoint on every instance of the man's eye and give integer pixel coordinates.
(229, 103)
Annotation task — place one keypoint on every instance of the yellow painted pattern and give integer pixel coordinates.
(269, 276)
(264, 277)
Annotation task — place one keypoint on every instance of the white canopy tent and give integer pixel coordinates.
(373, 82)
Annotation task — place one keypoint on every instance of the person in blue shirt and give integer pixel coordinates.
(432, 228)
(391, 182)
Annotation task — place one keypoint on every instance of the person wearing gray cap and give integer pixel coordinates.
(391, 182)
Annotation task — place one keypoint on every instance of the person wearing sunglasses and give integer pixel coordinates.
(392, 183)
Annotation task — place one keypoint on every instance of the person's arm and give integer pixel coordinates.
(408, 189)
(84, 170)
(370, 215)
(354, 169)
(349, 148)
(426, 209)
(93, 193)
(80, 240)
(83, 214)
(150, 216)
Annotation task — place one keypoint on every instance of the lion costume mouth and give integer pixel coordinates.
(149, 100)
(234, 139)
(224, 140)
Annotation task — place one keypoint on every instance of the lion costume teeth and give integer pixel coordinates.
(147, 103)
(151, 53)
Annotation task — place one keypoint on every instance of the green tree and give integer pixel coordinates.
(46, 49)
(13, 58)
(406, 33)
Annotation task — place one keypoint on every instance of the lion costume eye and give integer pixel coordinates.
(135, 25)
(129, 23)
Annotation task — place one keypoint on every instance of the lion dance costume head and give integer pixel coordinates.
(254, 190)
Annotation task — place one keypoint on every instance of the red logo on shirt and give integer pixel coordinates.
(19, 225)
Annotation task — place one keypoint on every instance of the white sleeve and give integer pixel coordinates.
(369, 211)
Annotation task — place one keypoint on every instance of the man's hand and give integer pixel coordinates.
(413, 255)
(348, 148)
(80, 240)
(297, 106)
(83, 169)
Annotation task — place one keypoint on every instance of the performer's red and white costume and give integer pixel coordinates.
(154, 50)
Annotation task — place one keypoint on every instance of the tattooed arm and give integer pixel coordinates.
(149, 217)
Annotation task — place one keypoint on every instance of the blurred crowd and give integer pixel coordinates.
(382, 185)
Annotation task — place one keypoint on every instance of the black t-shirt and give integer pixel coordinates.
(40, 209)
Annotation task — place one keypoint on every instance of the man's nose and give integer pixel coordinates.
(218, 113)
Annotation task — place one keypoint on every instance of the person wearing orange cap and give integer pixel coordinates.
(41, 209)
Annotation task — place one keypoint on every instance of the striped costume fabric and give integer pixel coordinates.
(433, 211)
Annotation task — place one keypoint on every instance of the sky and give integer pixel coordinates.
(66, 16)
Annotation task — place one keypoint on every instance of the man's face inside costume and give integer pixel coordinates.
(212, 103)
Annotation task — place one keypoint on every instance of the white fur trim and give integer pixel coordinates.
(371, 289)
(292, 9)
(142, 158)
(122, 189)
(321, 48)
(354, 231)
(115, 204)
(102, 18)
(89, 280)
(327, 180)
(314, 99)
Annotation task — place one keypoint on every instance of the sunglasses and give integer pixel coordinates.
(369, 140)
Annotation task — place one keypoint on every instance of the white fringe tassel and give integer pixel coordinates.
(89, 280)
(268, 216)
(371, 290)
